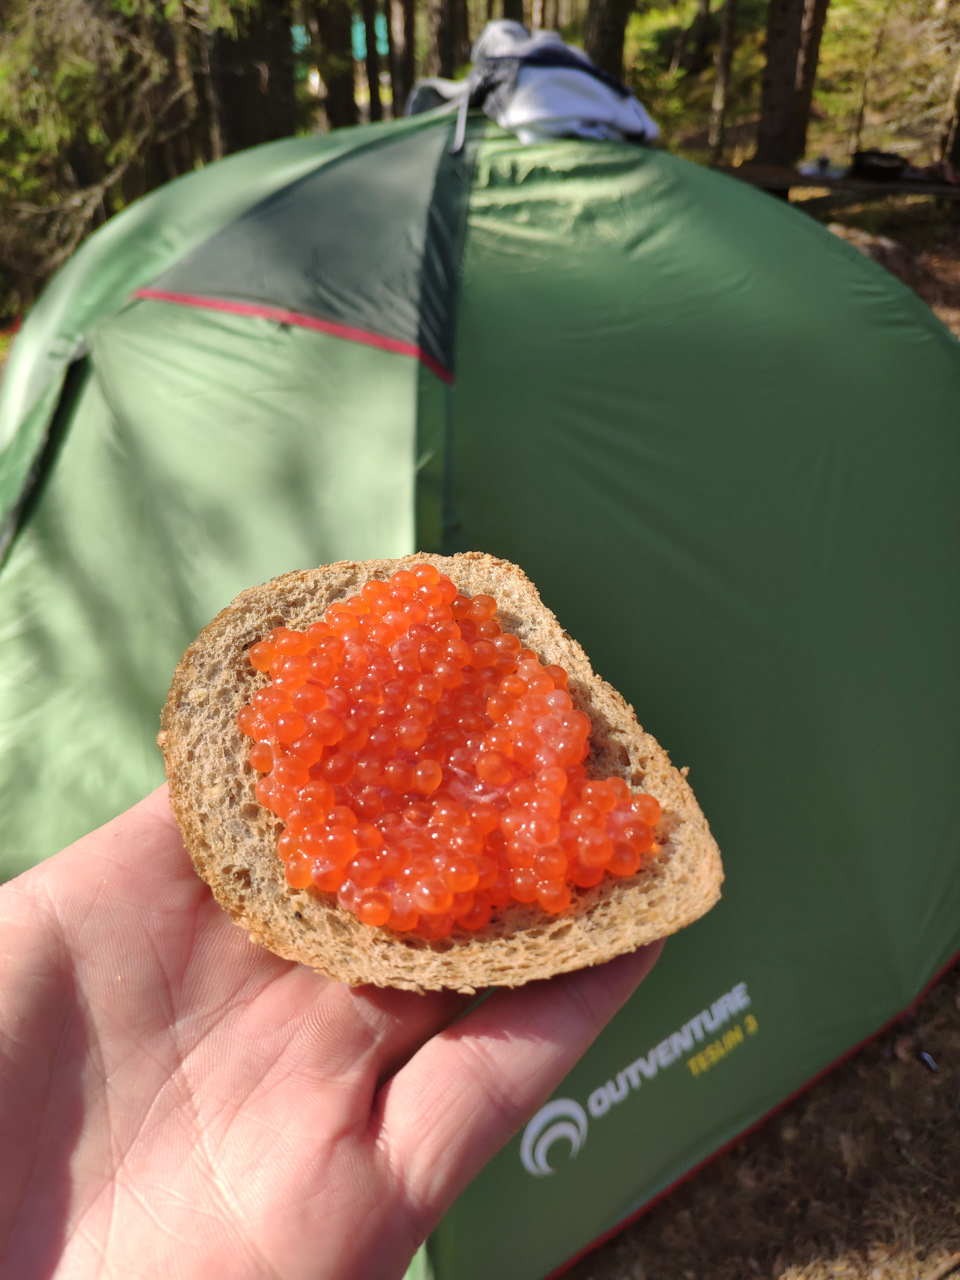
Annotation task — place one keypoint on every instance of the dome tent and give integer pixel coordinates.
(722, 444)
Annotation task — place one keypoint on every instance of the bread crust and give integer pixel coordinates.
(232, 839)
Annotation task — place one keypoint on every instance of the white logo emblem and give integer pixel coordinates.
(562, 1118)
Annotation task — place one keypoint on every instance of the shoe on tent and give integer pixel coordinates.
(723, 444)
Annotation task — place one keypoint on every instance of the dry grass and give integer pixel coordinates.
(918, 239)
(857, 1179)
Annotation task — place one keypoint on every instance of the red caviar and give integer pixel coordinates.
(428, 769)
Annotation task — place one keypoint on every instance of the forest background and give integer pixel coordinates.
(103, 100)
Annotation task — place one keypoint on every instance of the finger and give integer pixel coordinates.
(132, 884)
(469, 1089)
(363, 1034)
(147, 840)
(406, 1021)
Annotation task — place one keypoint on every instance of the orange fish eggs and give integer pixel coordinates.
(427, 767)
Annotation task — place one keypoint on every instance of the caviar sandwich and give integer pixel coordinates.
(406, 773)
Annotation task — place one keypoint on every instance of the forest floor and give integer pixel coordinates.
(915, 237)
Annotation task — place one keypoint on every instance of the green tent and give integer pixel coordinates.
(722, 444)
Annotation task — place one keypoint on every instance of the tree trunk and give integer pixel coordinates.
(214, 109)
(408, 61)
(185, 145)
(331, 19)
(401, 16)
(718, 108)
(950, 146)
(369, 10)
(604, 31)
(776, 134)
(253, 76)
(513, 10)
(394, 44)
(794, 28)
(452, 36)
(814, 20)
(398, 96)
(693, 42)
(463, 41)
(700, 32)
(867, 73)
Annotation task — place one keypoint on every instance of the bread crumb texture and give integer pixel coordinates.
(232, 839)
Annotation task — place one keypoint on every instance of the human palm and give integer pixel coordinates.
(176, 1102)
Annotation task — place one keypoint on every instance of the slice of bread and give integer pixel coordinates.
(232, 839)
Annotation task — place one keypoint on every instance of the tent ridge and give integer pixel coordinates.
(282, 315)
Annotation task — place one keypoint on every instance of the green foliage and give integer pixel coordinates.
(90, 91)
(677, 91)
(887, 65)
(101, 100)
(896, 60)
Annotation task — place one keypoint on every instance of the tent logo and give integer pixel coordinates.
(562, 1118)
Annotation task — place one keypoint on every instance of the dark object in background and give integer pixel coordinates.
(883, 165)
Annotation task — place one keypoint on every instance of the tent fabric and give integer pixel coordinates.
(131, 547)
(127, 254)
(366, 269)
(708, 499)
(722, 443)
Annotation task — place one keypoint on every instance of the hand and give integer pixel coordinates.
(176, 1102)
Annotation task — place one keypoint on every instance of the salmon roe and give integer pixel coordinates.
(427, 768)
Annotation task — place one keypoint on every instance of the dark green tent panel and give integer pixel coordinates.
(723, 445)
(354, 247)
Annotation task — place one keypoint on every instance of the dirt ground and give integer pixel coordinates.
(915, 237)
(857, 1179)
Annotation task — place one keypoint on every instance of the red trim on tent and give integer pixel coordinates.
(281, 316)
(662, 1195)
